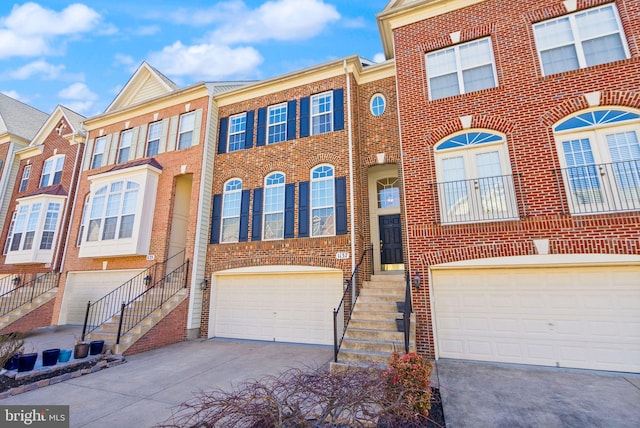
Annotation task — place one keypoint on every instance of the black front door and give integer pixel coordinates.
(390, 240)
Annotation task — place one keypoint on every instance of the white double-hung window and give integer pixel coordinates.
(125, 146)
(231, 205)
(323, 203)
(461, 69)
(599, 153)
(237, 132)
(581, 39)
(277, 123)
(322, 113)
(52, 171)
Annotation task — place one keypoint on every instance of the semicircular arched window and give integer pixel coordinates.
(474, 181)
(599, 155)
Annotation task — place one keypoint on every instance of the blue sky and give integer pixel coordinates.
(80, 54)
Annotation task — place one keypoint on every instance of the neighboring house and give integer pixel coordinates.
(295, 198)
(520, 126)
(137, 221)
(19, 123)
(34, 233)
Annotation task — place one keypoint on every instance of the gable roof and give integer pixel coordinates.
(145, 84)
(19, 119)
(74, 120)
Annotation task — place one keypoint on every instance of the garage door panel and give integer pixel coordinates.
(277, 307)
(585, 317)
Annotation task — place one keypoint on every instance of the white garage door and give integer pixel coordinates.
(567, 317)
(82, 287)
(293, 307)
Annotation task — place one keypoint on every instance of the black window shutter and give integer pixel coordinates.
(248, 137)
(338, 110)
(289, 210)
(291, 120)
(305, 117)
(244, 216)
(262, 127)
(256, 217)
(215, 220)
(341, 206)
(222, 135)
(303, 209)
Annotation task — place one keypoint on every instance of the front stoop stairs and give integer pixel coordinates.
(108, 331)
(27, 308)
(373, 332)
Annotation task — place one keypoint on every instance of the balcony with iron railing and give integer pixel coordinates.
(499, 198)
(600, 188)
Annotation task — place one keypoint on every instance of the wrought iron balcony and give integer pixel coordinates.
(600, 188)
(479, 199)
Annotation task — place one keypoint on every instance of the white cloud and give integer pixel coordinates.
(207, 61)
(278, 20)
(379, 57)
(30, 29)
(359, 22)
(41, 67)
(78, 97)
(148, 30)
(15, 95)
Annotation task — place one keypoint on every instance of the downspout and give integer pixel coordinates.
(351, 193)
(195, 280)
(73, 205)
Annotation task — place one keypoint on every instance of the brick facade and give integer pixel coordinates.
(40, 317)
(523, 107)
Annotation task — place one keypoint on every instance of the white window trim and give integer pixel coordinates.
(274, 124)
(149, 140)
(94, 158)
(185, 131)
(460, 70)
(52, 174)
(225, 194)
(35, 254)
(383, 107)
(147, 177)
(328, 113)
(230, 133)
(601, 156)
(279, 211)
(582, 62)
(24, 180)
(121, 147)
(7, 243)
(312, 207)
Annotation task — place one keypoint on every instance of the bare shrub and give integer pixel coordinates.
(10, 344)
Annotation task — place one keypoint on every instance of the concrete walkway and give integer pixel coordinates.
(143, 391)
(510, 396)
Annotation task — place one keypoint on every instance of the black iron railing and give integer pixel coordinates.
(108, 306)
(141, 306)
(342, 314)
(406, 313)
(481, 199)
(600, 188)
(24, 292)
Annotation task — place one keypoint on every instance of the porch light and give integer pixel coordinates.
(204, 284)
(416, 279)
(16, 281)
(147, 280)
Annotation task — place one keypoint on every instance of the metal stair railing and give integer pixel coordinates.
(108, 306)
(340, 322)
(143, 305)
(406, 315)
(26, 292)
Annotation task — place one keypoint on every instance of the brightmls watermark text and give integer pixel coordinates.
(34, 416)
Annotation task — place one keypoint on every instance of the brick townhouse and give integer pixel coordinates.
(34, 233)
(137, 231)
(298, 162)
(520, 128)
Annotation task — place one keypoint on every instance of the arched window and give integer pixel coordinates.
(112, 212)
(274, 192)
(599, 154)
(322, 201)
(474, 178)
(231, 204)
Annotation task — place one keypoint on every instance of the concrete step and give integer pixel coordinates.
(374, 315)
(380, 324)
(379, 298)
(395, 277)
(364, 357)
(388, 346)
(11, 317)
(371, 307)
(369, 334)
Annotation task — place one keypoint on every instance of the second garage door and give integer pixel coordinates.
(582, 317)
(281, 307)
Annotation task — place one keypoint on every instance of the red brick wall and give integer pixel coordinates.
(523, 107)
(171, 329)
(40, 317)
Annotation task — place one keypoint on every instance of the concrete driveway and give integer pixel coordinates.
(511, 396)
(143, 391)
